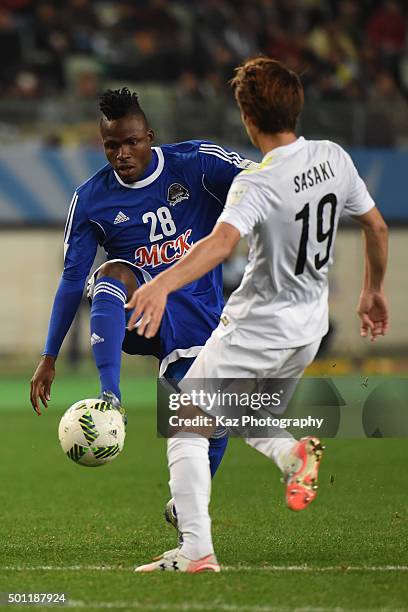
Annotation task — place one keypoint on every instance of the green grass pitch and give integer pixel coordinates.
(80, 530)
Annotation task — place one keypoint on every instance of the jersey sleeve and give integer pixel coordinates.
(220, 166)
(246, 206)
(358, 200)
(66, 302)
(80, 241)
(80, 244)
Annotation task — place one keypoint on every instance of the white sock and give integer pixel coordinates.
(190, 485)
(276, 448)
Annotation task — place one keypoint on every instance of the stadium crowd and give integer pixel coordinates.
(179, 55)
(345, 49)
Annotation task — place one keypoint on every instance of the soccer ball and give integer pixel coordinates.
(92, 432)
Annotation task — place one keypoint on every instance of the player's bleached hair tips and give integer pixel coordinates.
(117, 103)
(268, 93)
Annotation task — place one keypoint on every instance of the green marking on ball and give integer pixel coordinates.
(102, 406)
(88, 427)
(77, 452)
(102, 452)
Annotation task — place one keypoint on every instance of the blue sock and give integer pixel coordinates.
(218, 444)
(108, 326)
(216, 452)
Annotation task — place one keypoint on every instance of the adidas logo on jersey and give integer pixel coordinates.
(120, 218)
(95, 339)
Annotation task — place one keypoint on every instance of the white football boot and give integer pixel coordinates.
(174, 561)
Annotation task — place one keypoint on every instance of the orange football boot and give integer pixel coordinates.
(301, 473)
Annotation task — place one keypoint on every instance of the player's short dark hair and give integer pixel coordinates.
(117, 103)
(269, 94)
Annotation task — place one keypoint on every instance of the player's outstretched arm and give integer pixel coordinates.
(66, 302)
(150, 300)
(372, 307)
(80, 244)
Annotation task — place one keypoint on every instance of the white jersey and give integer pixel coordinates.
(290, 206)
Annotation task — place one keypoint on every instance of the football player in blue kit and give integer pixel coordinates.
(146, 208)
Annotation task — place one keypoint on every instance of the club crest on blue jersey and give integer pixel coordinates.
(176, 193)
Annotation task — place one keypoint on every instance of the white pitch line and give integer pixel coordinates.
(308, 568)
(67, 568)
(229, 568)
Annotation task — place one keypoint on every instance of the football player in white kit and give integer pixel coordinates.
(272, 325)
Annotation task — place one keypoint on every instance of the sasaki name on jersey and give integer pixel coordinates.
(165, 253)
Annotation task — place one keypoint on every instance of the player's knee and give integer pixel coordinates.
(119, 271)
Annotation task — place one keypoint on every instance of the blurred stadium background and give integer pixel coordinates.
(178, 55)
(56, 56)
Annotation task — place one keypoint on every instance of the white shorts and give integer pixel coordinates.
(228, 364)
(244, 355)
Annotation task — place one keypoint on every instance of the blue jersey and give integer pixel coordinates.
(152, 223)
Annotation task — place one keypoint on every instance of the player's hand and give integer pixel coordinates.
(40, 386)
(149, 302)
(373, 312)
